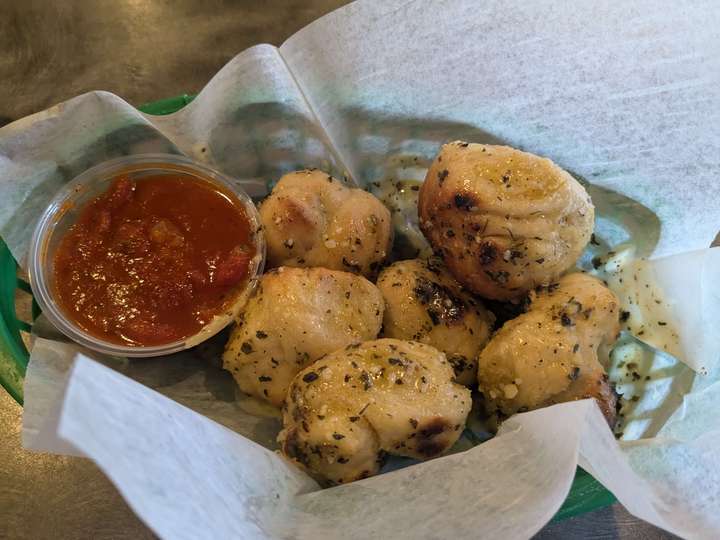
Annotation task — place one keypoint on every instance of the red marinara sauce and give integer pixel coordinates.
(151, 261)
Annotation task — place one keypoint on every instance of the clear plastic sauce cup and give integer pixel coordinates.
(67, 205)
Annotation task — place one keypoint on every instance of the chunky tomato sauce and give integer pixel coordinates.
(152, 261)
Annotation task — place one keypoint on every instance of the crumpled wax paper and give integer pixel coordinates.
(623, 96)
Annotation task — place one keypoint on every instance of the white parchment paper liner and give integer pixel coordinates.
(189, 477)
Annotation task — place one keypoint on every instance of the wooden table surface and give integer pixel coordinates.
(142, 50)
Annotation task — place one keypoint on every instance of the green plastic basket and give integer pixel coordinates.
(585, 495)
